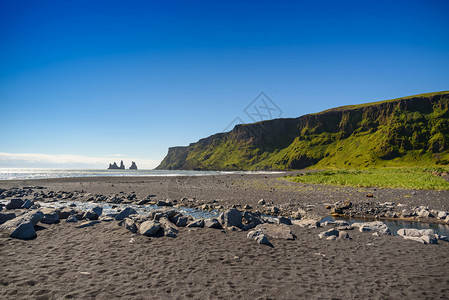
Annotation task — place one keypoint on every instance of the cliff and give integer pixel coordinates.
(411, 131)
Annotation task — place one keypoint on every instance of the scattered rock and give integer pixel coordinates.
(373, 226)
(261, 202)
(14, 204)
(212, 223)
(308, 223)
(425, 236)
(343, 235)
(27, 204)
(276, 231)
(231, 217)
(130, 225)
(196, 223)
(259, 237)
(125, 213)
(6, 217)
(25, 231)
(51, 216)
(149, 228)
(284, 220)
(328, 233)
(71, 219)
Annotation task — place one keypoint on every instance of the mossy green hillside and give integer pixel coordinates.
(410, 131)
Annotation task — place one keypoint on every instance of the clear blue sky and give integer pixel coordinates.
(95, 81)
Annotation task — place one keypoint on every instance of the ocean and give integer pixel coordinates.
(23, 173)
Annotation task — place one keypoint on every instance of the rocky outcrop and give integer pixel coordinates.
(406, 128)
(133, 166)
(115, 167)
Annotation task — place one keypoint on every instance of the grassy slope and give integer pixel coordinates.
(388, 133)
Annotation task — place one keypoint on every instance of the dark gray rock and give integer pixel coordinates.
(149, 228)
(51, 216)
(212, 223)
(14, 204)
(25, 231)
(231, 217)
(251, 217)
(261, 202)
(284, 220)
(27, 204)
(125, 213)
(6, 217)
(130, 225)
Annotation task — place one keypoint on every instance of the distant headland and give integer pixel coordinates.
(122, 166)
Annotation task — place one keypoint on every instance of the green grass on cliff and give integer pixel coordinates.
(402, 178)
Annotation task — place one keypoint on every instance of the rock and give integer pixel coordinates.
(149, 228)
(261, 202)
(373, 226)
(424, 213)
(71, 219)
(179, 220)
(51, 216)
(251, 217)
(66, 212)
(14, 204)
(104, 218)
(1, 208)
(25, 231)
(27, 204)
(343, 235)
(259, 237)
(231, 217)
(441, 214)
(247, 207)
(275, 210)
(276, 231)
(427, 236)
(196, 223)
(284, 220)
(328, 233)
(133, 166)
(125, 213)
(308, 223)
(87, 224)
(130, 225)
(331, 238)
(6, 217)
(90, 215)
(296, 215)
(212, 223)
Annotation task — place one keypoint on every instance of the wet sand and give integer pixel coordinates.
(106, 261)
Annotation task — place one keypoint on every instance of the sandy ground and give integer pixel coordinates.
(106, 261)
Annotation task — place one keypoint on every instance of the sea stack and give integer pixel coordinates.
(133, 166)
(113, 166)
(122, 166)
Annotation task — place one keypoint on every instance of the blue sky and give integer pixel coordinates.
(83, 83)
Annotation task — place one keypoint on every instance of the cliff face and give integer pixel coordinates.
(412, 130)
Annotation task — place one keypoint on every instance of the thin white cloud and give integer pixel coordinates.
(39, 160)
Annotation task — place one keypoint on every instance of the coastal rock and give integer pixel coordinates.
(196, 223)
(6, 217)
(231, 217)
(149, 228)
(212, 223)
(343, 235)
(308, 223)
(14, 204)
(51, 216)
(25, 231)
(27, 204)
(284, 220)
(130, 225)
(133, 166)
(377, 226)
(179, 220)
(259, 237)
(125, 213)
(425, 236)
(169, 230)
(261, 202)
(276, 231)
(442, 214)
(328, 233)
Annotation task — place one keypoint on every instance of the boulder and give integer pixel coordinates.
(424, 213)
(231, 217)
(251, 217)
(25, 231)
(426, 236)
(179, 220)
(328, 233)
(276, 231)
(308, 223)
(261, 202)
(130, 225)
(66, 212)
(125, 213)
(284, 220)
(14, 204)
(149, 228)
(259, 237)
(51, 216)
(442, 214)
(27, 204)
(6, 217)
(212, 223)
(343, 235)
(377, 226)
(196, 223)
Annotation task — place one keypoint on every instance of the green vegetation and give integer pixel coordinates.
(404, 178)
(406, 132)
